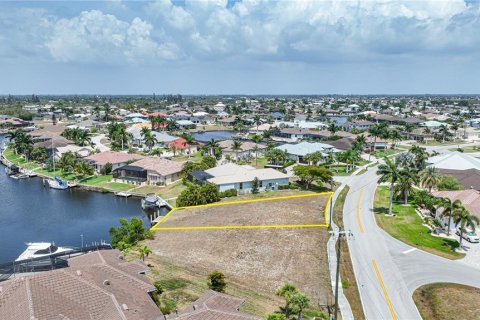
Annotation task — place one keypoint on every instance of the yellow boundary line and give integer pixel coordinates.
(327, 206)
(384, 290)
(358, 212)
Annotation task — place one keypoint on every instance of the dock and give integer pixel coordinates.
(123, 194)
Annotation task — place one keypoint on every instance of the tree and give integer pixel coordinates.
(212, 145)
(407, 179)
(376, 131)
(276, 156)
(197, 195)
(395, 136)
(39, 154)
(257, 121)
(128, 233)
(464, 219)
(287, 291)
(189, 142)
(313, 158)
(216, 281)
(237, 146)
(144, 252)
(429, 178)
(255, 185)
(449, 183)
(332, 127)
(309, 174)
(389, 172)
(299, 302)
(106, 169)
(150, 141)
(420, 154)
(449, 207)
(443, 130)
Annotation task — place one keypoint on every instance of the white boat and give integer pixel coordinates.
(19, 176)
(57, 183)
(150, 201)
(123, 194)
(41, 249)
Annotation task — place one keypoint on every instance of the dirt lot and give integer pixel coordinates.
(304, 210)
(447, 301)
(255, 261)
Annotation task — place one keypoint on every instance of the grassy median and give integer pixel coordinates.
(407, 226)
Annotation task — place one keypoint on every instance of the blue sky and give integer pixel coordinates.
(240, 47)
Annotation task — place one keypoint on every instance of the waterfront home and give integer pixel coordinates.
(87, 125)
(11, 122)
(116, 159)
(234, 176)
(186, 124)
(357, 125)
(213, 305)
(432, 124)
(97, 285)
(247, 149)
(149, 171)
(229, 121)
(298, 151)
(162, 138)
(180, 146)
(261, 128)
(80, 151)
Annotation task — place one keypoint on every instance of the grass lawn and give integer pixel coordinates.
(349, 283)
(385, 153)
(96, 180)
(469, 149)
(259, 164)
(341, 170)
(69, 176)
(447, 301)
(407, 226)
(197, 157)
(440, 143)
(116, 186)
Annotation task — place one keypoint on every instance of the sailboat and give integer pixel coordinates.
(56, 182)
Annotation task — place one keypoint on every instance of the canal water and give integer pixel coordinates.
(217, 135)
(30, 212)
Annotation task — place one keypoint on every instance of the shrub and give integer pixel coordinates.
(106, 169)
(228, 193)
(216, 281)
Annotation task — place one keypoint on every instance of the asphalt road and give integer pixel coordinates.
(388, 271)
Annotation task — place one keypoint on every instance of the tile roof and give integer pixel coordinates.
(233, 173)
(454, 161)
(98, 285)
(470, 199)
(113, 157)
(304, 148)
(214, 306)
(162, 166)
(246, 145)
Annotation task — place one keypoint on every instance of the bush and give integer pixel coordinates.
(106, 169)
(128, 233)
(216, 281)
(228, 193)
(170, 284)
(167, 306)
(197, 195)
(289, 186)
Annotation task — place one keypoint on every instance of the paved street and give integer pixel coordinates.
(387, 270)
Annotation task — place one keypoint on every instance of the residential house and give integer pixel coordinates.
(298, 151)
(180, 146)
(420, 134)
(247, 149)
(375, 143)
(454, 161)
(469, 179)
(149, 171)
(233, 176)
(116, 159)
(96, 285)
(162, 138)
(80, 151)
(470, 199)
(357, 125)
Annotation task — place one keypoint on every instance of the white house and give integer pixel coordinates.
(233, 176)
(298, 151)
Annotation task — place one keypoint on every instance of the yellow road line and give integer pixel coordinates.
(385, 293)
(276, 226)
(156, 226)
(358, 212)
(327, 208)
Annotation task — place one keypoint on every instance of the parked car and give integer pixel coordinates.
(470, 236)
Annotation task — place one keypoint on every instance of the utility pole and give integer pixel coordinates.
(342, 234)
(331, 214)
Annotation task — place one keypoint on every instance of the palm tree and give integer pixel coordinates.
(300, 301)
(212, 145)
(449, 208)
(189, 141)
(107, 109)
(256, 138)
(407, 179)
(421, 155)
(144, 252)
(429, 178)
(332, 127)
(237, 146)
(466, 220)
(359, 143)
(443, 130)
(257, 120)
(376, 131)
(395, 136)
(287, 291)
(150, 140)
(389, 172)
(313, 158)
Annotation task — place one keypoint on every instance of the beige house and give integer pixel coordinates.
(149, 171)
(117, 159)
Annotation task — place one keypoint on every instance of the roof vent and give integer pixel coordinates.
(106, 282)
(79, 273)
(124, 307)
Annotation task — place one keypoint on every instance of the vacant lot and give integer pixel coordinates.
(447, 301)
(255, 261)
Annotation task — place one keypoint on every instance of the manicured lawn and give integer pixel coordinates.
(69, 176)
(407, 226)
(197, 157)
(447, 301)
(116, 186)
(469, 149)
(385, 153)
(96, 180)
(259, 164)
(341, 170)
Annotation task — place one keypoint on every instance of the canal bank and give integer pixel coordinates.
(32, 212)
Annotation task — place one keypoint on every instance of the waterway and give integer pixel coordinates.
(217, 135)
(31, 212)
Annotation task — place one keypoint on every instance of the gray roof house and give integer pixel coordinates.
(298, 151)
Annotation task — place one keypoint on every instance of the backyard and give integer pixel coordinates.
(406, 225)
(447, 301)
(255, 261)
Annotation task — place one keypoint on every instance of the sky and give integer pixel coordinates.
(240, 47)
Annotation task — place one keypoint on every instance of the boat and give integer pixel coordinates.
(12, 170)
(150, 201)
(123, 194)
(36, 250)
(57, 183)
(19, 176)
